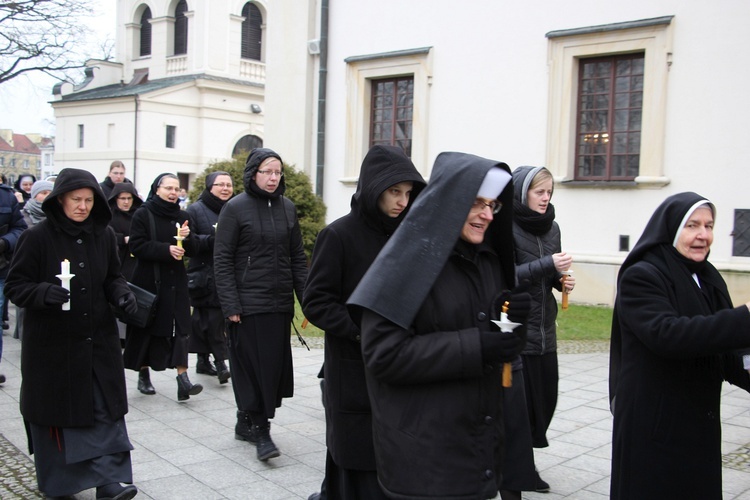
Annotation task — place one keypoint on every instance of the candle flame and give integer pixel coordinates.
(505, 306)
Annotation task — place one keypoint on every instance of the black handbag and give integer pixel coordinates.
(146, 312)
(147, 301)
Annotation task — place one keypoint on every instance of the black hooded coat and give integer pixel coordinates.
(121, 222)
(64, 350)
(259, 257)
(536, 237)
(436, 406)
(343, 252)
(672, 347)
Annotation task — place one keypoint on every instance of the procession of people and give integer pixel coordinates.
(441, 390)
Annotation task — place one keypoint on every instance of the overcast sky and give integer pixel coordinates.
(24, 101)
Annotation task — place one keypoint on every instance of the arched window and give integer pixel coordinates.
(251, 32)
(146, 33)
(247, 144)
(180, 28)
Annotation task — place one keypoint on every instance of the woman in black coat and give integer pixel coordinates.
(163, 344)
(673, 334)
(123, 202)
(73, 392)
(259, 264)
(432, 356)
(207, 320)
(388, 184)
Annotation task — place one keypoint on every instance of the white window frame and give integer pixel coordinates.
(360, 72)
(653, 37)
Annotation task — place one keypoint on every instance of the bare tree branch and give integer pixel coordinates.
(43, 35)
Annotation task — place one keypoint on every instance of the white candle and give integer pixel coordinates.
(65, 267)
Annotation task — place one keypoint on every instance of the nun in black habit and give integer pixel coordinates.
(674, 332)
(163, 344)
(73, 398)
(433, 359)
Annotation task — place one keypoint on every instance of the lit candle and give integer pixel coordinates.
(178, 237)
(65, 267)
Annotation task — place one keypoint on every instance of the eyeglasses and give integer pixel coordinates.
(223, 185)
(277, 173)
(478, 206)
(125, 198)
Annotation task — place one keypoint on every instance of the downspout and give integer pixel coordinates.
(322, 77)
(135, 139)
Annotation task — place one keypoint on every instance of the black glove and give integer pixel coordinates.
(128, 303)
(3, 245)
(519, 304)
(501, 346)
(56, 295)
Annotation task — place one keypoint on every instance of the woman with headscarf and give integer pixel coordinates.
(207, 320)
(433, 359)
(259, 264)
(539, 266)
(160, 270)
(674, 332)
(23, 188)
(388, 185)
(73, 398)
(123, 202)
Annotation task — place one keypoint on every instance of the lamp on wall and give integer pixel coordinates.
(255, 108)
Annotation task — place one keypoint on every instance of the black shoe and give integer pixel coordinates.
(6, 326)
(144, 382)
(2, 378)
(314, 496)
(244, 430)
(204, 365)
(185, 388)
(266, 447)
(222, 371)
(542, 486)
(116, 491)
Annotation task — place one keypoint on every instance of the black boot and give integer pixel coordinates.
(185, 388)
(144, 382)
(222, 371)
(116, 491)
(204, 365)
(244, 429)
(266, 447)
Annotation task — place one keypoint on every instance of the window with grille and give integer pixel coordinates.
(171, 131)
(180, 28)
(610, 103)
(145, 49)
(251, 32)
(391, 112)
(741, 233)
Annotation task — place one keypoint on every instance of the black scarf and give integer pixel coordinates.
(532, 221)
(163, 208)
(213, 202)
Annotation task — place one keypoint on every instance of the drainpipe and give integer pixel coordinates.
(135, 139)
(322, 77)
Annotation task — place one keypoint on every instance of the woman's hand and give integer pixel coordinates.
(234, 318)
(19, 197)
(176, 252)
(562, 261)
(185, 230)
(570, 282)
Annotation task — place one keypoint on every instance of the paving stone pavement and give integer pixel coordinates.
(188, 451)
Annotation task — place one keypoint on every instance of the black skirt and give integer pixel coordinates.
(260, 354)
(69, 460)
